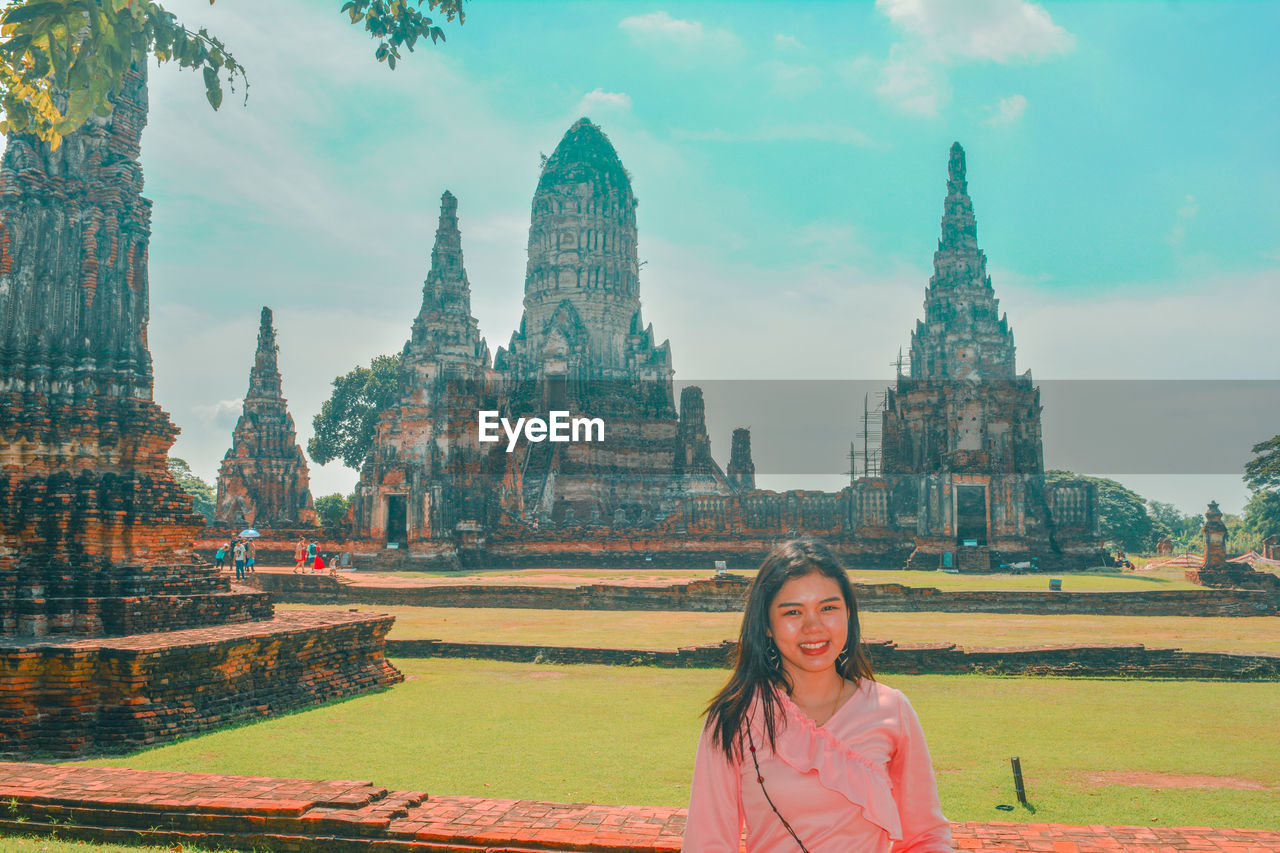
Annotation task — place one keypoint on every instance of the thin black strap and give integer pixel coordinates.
(760, 778)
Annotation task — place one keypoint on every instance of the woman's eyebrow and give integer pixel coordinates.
(799, 603)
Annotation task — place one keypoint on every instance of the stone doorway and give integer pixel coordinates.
(397, 522)
(971, 515)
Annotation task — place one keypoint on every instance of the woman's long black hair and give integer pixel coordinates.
(752, 673)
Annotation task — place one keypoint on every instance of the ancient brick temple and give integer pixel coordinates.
(111, 633)
(427, 473)
(263, 481)
(430, 486)
(961, 447)
(962, 483)
(583, 346)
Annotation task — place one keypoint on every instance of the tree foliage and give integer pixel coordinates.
(1262, 513)
(332, 509)
(201, 492)
(1122, 513)
(1183, 530)
(1263, 470)
(62, 61)
(1262, 476)
(345, 426)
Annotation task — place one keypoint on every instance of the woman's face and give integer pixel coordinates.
(809, 622)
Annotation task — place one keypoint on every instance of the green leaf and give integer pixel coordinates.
(24, 14)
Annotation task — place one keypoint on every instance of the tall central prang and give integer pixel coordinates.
(582, 283)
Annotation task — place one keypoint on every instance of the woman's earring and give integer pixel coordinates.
(772, 656)
(842, 659)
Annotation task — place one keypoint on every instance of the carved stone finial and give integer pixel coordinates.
(956, 167)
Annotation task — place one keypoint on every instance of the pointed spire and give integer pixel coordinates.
(264, 478)
(264, 378)
(962, 335)
(959, 228)
(446, 289)
(955, 169)
(444, 325)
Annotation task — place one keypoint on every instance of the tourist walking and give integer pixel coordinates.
(313, 551)
(299, 554)
(238, 555)
(220, 557)
(803, 745)
(250, 555)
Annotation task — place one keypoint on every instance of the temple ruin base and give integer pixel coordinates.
(76, 696)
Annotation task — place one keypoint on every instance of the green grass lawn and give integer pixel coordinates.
(669, 630)
(1100, 580)
(627, 734)
(57, 845)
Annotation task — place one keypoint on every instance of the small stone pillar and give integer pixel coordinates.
(1215, 539)
(742, 471)
(1216, 571)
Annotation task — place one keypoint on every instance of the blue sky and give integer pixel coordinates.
(790, 163)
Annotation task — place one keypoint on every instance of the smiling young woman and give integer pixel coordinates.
(803, 746)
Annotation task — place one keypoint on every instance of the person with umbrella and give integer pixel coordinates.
(250, 551)
(238, 553)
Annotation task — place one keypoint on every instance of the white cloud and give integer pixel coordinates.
(782, 41)
(660, 30)
(833, 133)
(220, 413)
(793, 79)
(911, 84)
(938, 34)
(1007, 112)
(598, 99)
(1187, 212)
(995, 30)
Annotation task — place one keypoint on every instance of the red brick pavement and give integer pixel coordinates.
(294, 814)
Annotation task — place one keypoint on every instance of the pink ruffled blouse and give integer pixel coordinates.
(861, 783)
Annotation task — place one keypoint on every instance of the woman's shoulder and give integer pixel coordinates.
(880, 694)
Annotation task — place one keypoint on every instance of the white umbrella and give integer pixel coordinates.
(248, 533)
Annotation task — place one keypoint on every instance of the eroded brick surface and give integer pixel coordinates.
(112, 633)
(294, 814)
(75, 695)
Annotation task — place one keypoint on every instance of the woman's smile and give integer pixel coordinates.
(815, 648)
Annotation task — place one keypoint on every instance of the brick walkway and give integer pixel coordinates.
(297, 815)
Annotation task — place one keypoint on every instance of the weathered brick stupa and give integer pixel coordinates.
(961, 444)
(431, 491)
(263, 481)
(111, 633)
(427, 473)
